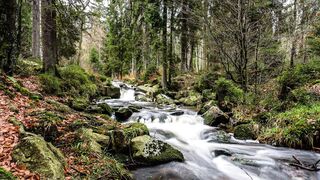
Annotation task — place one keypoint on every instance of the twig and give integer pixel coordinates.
(299, 162)
(246, 173)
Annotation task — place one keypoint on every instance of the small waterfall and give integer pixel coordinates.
(127, 91)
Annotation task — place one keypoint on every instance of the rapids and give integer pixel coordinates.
(210, 154)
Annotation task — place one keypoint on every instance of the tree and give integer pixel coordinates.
(36, 28)
(49, 37)
(164, 47)
(8, 54)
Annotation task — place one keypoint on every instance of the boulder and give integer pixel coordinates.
(40, 157)
(149, 151)
(91, 141)
(120, 139)
(163, 99)
(102, 108)
(245, 131)
(178, 113)
(222, 152)
(206, 107)
(215, 117)
(123, 114)
(47, 124)
(110, 91)
(79, 104)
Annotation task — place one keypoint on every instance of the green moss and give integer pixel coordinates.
(50, 84)
(6, 175)
(79, 104)
(149, 151)
(227, 91)
(135, 129)
(57, 106)
(77, 82)
(46, 125)
(245, 131)
(41, 157)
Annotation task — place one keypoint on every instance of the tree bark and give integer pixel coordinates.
(184, 38)
(171, 65)
(8, 54)
(36, 28)
(294, 41)
(49, 37)
(164, 47)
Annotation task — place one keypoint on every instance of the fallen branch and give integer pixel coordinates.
(300, 165)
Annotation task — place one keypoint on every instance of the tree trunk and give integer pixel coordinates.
(19, 33)
(171, 65)
(49, 37)
(191, 55)
(8, 54)
(164, 47)
(294, 41)
(184, 38)
(36, 29)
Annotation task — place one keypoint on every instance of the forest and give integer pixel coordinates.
(160, 89)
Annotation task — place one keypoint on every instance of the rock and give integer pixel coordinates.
(120, 139)
(214, 117)
(149, 151)
(102, 108)
(217, 136)
(222, 152)
(79, 104)
(110, 91)
(206, 107)
(163, 99)
(135, 108)
(143, 98)
(123, 114)
(40, 157)
(47, 124)
(91, 141)
(245, 131)
(178, 113)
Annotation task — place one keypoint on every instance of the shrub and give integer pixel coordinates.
(50, 84)
(299, 76)
(206, 81)
(150, 73)
(94, 55)
(297, 127)
(227, 91)
(77, 82)
(74, 82)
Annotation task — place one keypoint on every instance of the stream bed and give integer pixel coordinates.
(210, 154)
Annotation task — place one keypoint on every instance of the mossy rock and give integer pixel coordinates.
(79, 104)
(245, 131)
(90, 141)
(46, 125)
(40, 157)
(121, 138)
(214, 117)
(59, 106)
(149, 151)
(6, 175)
(192, 100)
(100, 109)
(110, 91)
(204, 108)
(163, 99)
(123, 114)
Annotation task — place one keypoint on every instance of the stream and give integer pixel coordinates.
(210, 153)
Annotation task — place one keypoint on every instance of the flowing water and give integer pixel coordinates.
(210, 153)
